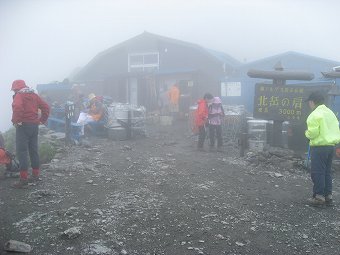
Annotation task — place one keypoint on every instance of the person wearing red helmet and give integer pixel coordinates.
(26, 120)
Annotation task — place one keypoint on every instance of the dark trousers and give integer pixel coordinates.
(201, 136)
(215, 133)
(27, 144)
(321, 166)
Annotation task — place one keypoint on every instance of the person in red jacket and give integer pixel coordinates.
(2, 141)
(26, 119)
(201, 117)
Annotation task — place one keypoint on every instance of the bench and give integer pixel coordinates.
(58, 125)
(97, 128)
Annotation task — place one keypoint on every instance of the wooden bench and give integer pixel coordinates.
(58, 125)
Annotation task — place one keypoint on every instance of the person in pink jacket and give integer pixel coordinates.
(215, 117)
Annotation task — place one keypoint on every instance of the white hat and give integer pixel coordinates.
(92, 96)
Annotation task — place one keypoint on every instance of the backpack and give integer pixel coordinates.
(8, 159)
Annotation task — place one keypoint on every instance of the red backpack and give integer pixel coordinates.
(4, 157)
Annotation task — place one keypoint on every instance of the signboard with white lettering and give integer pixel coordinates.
(284, 103)
(231, 89)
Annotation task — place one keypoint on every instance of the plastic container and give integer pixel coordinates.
(257, 130)
(256, 145)
(257, 134)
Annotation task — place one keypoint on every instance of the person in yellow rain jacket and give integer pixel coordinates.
(323, 133)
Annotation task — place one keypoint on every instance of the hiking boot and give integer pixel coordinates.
(21, 184)
(318, 200)
(34, 179)
(329, 200)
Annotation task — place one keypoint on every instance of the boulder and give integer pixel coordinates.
(17, 246)
(72, 233)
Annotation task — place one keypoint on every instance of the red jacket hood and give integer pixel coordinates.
(18, 85)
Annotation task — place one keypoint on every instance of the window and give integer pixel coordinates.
(151, 59)
(136, 69)
(136, 60)
(150, 69)
(143, 62)
(231, 89)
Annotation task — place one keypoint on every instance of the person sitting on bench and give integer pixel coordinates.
(93, 113)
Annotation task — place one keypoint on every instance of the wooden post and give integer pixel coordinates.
(69, 112)
(277, 124)
(243, 144)
(129, 126)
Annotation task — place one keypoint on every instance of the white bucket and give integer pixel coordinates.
(257, 132)
(256, 125)
(121, 113)
(255, 145)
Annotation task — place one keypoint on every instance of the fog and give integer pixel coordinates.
(44, 40)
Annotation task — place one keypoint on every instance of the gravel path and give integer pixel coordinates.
(157, 195)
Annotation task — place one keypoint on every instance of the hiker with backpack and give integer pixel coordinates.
(2, 141)
(201, 119)
(26, 120)
(216, 114)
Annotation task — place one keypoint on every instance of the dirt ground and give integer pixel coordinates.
(158, 195)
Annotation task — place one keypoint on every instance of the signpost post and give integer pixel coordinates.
(277, 124)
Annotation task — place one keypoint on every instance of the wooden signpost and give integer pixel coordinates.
(277, 101)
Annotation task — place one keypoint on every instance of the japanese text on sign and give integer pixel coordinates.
(280, 102)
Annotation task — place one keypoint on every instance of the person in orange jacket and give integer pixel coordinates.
(201, 117)
(94, 113)
(96, 108)
(173, 95)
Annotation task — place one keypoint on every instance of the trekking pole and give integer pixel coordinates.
(308, 157)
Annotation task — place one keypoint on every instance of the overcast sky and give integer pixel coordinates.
(45, 40)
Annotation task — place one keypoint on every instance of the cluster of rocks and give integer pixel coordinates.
(278, 159)
(48, 135)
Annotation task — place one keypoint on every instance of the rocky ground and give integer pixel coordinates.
(158, 195)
